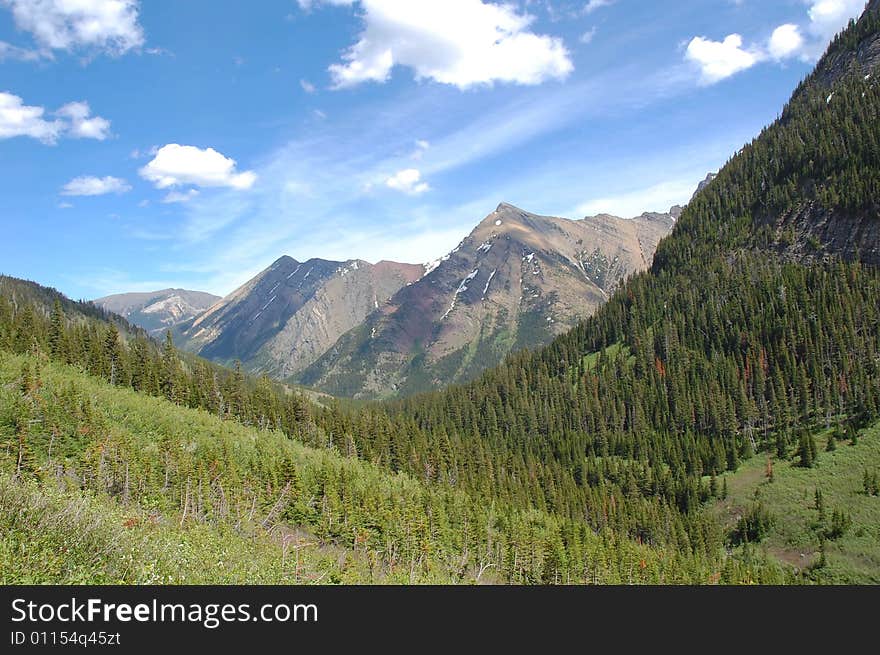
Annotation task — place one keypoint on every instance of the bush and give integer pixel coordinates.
(754, 525)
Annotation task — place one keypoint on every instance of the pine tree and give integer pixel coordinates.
(168, 380)
(805, 452)
(819, 504)
(831, 446)
(113, 353)
(57, 333)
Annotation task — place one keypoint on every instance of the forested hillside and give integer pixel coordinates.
(103, 484)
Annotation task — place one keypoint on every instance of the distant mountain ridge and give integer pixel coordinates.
(157, 311)
(283, 319)
(374, 330)
(516, 281)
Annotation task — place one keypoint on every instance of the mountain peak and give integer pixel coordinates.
(506, 207)
(284, 259)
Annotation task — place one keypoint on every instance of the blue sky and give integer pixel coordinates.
(166, 143)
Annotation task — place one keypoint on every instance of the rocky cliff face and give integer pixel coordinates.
(838, 62)
(339, 305)
(516, 281)
(157, 311)
(811, 231)
(706, 182)
(284, 318)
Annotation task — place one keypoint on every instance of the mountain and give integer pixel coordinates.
(702, 185)
(157, 311)
(154, 468)
(516, 281)
(280, 321)
(822, 225)
(733, 344)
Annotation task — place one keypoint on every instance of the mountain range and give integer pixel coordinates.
(362, 330)
(158, 311)
(516, 281)
(283, 319)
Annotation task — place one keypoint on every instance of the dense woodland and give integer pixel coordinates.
(614, 432)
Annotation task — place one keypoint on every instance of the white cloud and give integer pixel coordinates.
(326, 212)
(659, 198)
(408, 181)
(593, 5)
(463, 43)
(9, 51)
(175, 164)
(18, 119)
(589, 35)
(785, 41)
(82, 125)
(828, 17)
(807, 41)
(137, 153)
(307, 86)
(75, 121)
(720, 59)
(108, 25)
(422, 147)
(180, 197)
(88, 185)
(308, 4)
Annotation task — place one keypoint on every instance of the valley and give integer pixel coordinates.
(679, 398)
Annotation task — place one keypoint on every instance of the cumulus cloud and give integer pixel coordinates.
(408, 181)
(785, 41)
(106, 25)
(88, 185)
(307, 86)
(73, 120)
(463, 43)
(18, 119)
(175, 165)
(720, 59)
(825, 18)
(82, 125)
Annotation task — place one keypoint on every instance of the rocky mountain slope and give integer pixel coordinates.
(157, 311)
(516, 281)
(284, 318)
(821, 228)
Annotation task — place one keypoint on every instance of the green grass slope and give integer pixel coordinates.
(796, 530)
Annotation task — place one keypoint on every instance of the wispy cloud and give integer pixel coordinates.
(95, 186)
(658, 197)
(325, 194)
